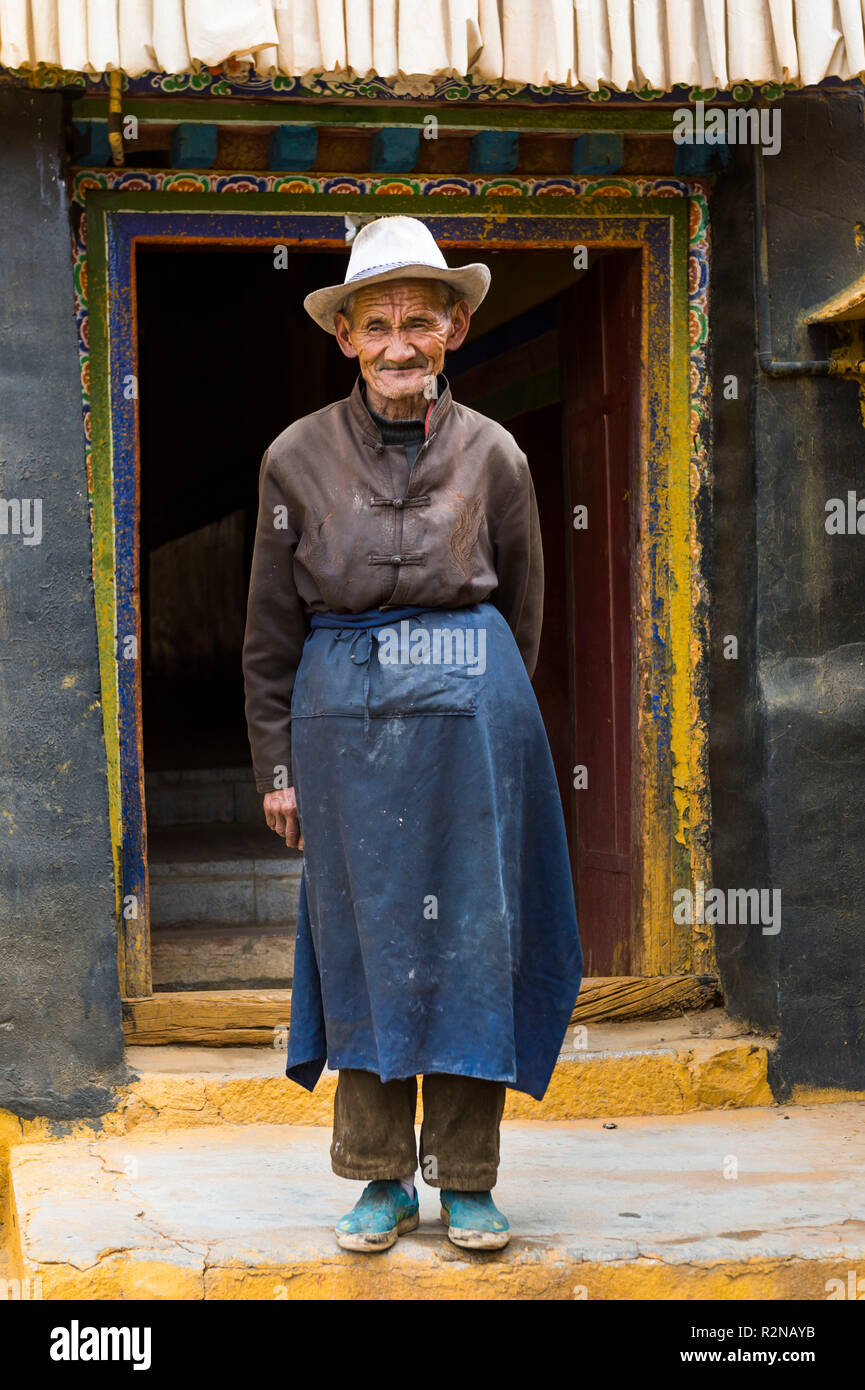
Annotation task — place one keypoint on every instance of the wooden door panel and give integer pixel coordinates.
(599, 343)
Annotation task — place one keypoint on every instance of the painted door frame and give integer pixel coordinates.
(666, 220)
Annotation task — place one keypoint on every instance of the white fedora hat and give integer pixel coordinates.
(395, 248)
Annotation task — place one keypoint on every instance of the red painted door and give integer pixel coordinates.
(599, 346)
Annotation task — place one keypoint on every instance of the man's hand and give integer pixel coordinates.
(280, 812)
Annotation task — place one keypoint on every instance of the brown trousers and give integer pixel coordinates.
(373, 1129)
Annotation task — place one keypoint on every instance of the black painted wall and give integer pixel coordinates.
(61, 1046)
(788, 717)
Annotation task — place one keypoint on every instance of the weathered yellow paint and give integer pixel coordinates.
(671, 810)
(846, 306)
(687, 644)
(14, 1130)
(430, 1268)
(823, 1095)
(703, 1076)
(679, 554)
(550, 1275)
(115, 109)
(100, 475)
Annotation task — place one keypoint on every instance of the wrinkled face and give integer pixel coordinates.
(399, 332)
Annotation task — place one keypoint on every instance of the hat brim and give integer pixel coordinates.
(470, 281)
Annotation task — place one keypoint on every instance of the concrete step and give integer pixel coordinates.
(677, 1066)
(698, 1062)
(202, 957)
(196, 795)
(761, 1203)
(223, 906)
(222, 874)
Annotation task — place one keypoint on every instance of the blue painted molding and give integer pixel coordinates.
(696, 160)
(598, 154)
(194, 146)
(494, 152)
(394, 151)
(293, 147)
(90, 147)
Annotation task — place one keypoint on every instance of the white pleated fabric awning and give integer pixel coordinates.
(623, 44)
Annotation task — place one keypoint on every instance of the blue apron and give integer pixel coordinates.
(436, 928)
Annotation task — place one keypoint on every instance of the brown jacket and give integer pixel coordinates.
(344, 526)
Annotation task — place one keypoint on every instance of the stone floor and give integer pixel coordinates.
(737, 1204)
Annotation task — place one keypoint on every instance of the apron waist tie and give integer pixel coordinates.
(370, 617)
(358, 627)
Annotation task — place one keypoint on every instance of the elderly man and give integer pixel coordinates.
(393, 626)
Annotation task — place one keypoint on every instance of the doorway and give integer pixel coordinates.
(663, 229)
(219, 378)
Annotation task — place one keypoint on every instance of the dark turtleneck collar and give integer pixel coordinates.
(398, 431)
(408, 433)
(362, 410)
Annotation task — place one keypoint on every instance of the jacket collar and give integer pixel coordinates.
(360, 414)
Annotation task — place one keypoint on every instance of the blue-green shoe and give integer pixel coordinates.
(383, 1212)
(474, 1221)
